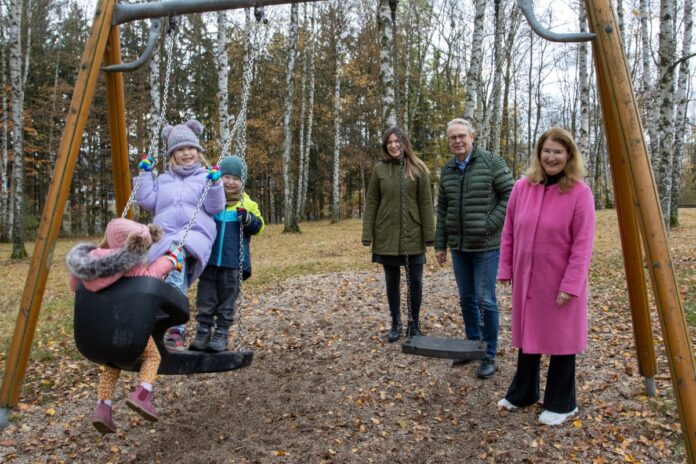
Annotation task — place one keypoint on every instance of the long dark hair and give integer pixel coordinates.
(414, 165)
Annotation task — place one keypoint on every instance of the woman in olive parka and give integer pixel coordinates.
(385, 217)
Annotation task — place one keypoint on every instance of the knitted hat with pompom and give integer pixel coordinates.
(183, 135)
(125, 233)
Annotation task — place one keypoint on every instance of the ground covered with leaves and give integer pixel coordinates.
(325, 387)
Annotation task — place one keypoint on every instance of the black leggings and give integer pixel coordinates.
(392, 276)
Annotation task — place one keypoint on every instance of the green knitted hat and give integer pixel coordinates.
(234, 166)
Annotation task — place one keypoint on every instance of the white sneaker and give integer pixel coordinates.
(555, 418)
(507, 405)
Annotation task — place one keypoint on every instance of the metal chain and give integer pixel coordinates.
(403, 232)
(484, 274)
(152, 150)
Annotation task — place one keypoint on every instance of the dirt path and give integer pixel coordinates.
(325, 387)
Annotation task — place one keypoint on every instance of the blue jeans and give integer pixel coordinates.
(179, 280)
(469, 268)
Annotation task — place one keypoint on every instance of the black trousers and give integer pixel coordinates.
(392, 276)
(559, 395)
(218, 289)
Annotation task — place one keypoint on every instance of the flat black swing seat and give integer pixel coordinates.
(112, 328)
(449, 348)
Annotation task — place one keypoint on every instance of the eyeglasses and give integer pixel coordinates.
(454, 138)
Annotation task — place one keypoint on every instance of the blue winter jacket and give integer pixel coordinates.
(225, 252)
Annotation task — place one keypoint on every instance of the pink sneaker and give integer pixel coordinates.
(102, 420)
(140, 401)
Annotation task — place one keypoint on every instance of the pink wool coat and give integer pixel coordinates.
(545, 248)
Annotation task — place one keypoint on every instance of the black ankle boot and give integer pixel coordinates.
(200, 342)
(413, 329)
(395, 332)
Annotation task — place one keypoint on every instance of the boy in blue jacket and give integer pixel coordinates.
(219, 285)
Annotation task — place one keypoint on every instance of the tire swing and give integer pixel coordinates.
(448, 348)
(112, 326)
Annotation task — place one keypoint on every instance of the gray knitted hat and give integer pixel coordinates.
(183, 135)
(234, 166)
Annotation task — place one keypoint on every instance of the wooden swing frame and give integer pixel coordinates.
(636, 196)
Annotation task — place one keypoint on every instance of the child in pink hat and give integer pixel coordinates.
(123, 253)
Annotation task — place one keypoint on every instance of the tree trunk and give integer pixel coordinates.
(155, 105)
(584, 97)
(386, 68)
(251, 42)
(662, 163)
(335, 197)
(222, 63)
(649, 114)
(498, 56)
(474, 72)
(15, 19)
(290, 222)
(5, 218)
(682, 102)
(303, 114)
(310, 117)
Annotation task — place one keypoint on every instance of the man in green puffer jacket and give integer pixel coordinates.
(473, 194)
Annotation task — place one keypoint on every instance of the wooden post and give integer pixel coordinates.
(52, 216)
(116, 109)
(630, 242)
(625, 133)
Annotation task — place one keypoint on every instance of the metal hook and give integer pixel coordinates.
(260, 14)
(155, 29)
(528, 12)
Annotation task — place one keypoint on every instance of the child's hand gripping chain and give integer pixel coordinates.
(214, 174)
(244, 216)
(177, 258)
(146, 163)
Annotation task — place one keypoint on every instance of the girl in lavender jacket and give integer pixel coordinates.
(545, 252)
(173, 197)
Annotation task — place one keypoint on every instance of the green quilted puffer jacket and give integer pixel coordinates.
(471, 203)
(382, 218)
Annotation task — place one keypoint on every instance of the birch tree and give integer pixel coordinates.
(386, 70)
(338, 53)
(584, 83)
(222, 64)
(4, 177)
(649, 116)
(492, 135)
(251, 47)
(681, 99)
(662, 163)
(155, 101)
(472, 75)
(290, 222)
(307, 120)
(17, 83)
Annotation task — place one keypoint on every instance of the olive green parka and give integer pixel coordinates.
(382, 218)
(471, 203)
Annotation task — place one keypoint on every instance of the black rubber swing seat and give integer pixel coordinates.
(448, 348)
(112, 327)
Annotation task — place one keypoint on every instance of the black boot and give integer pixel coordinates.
(395, 332)
(200, 342)
(219, 341)
(413, 329)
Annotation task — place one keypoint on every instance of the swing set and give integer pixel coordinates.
(636, 199)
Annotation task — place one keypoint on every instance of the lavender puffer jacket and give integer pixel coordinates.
(173, 199)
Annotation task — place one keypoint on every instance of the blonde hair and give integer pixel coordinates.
(201, 157)
(413, 164)
(574, 169)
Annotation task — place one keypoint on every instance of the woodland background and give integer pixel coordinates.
(307, 92)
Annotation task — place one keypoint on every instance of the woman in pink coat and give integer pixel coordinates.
(545, 252)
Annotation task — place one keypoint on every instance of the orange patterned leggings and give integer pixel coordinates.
(148, 372)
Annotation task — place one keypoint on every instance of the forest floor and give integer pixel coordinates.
(325, 387)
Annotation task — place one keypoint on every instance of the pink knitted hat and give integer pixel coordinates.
(118, 230)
